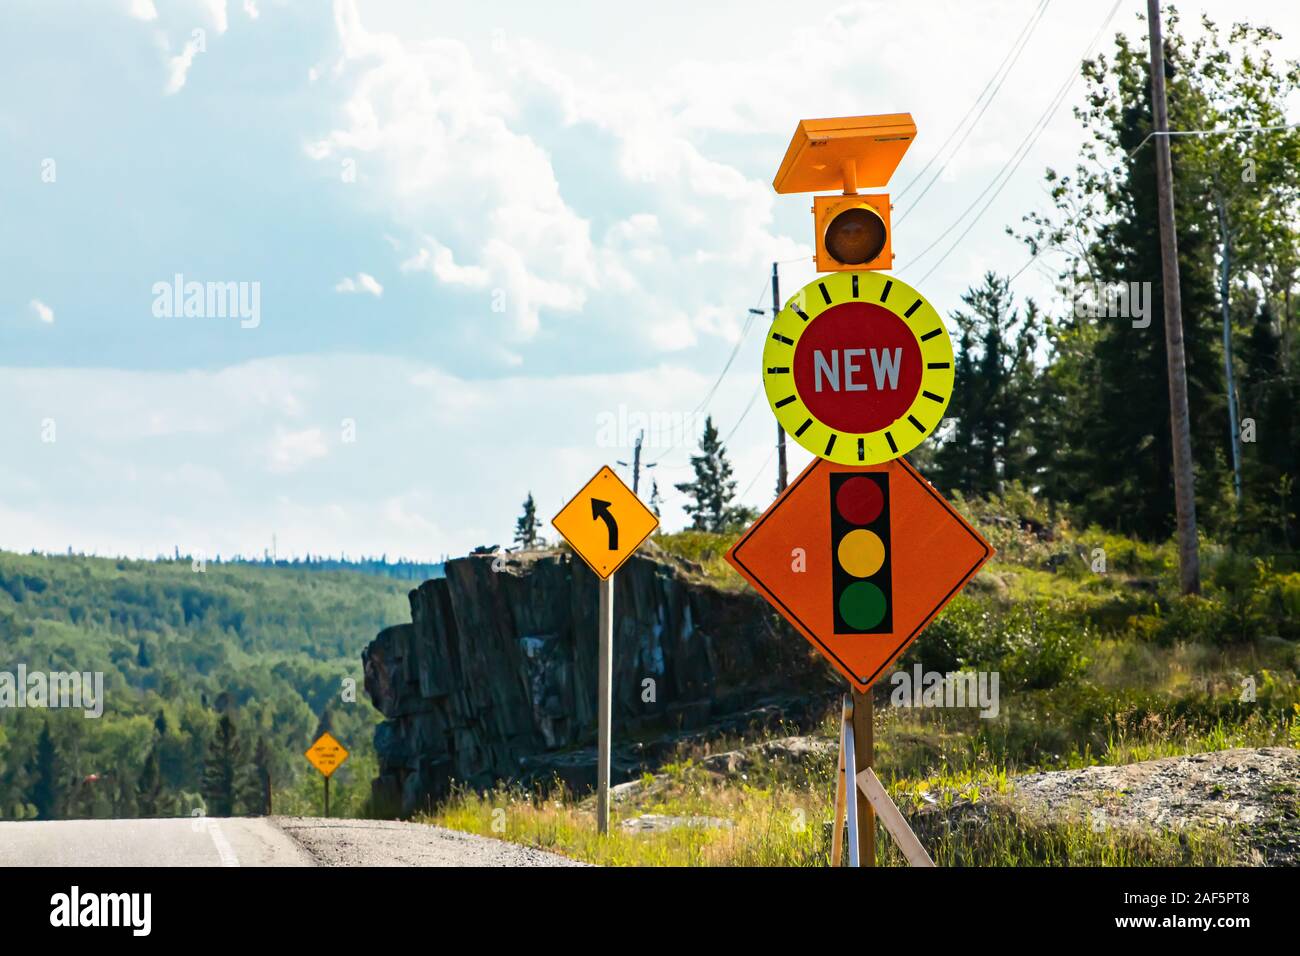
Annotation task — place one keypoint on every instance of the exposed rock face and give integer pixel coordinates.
(495, 677)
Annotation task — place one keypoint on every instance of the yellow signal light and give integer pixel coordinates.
(851, 230)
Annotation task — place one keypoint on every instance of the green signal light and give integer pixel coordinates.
(862, 605)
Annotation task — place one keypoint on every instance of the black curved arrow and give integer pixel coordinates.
(600, 509)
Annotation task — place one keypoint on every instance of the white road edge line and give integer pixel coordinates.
(224, 849)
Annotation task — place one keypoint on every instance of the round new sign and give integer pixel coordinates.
(858, 367)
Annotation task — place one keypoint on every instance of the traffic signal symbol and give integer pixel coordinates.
(861, 579)
(852, 232)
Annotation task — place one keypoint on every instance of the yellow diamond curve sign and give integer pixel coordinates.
(605, 522)
(327, 754)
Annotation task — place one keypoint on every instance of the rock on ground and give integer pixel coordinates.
(1256, 789)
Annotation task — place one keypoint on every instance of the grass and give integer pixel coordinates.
(1099, 662)
(784, 821)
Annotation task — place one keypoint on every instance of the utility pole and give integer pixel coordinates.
(780, 431)
(1233, 434)
(1189, 565)
(636, 463)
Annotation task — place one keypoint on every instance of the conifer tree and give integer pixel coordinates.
(528, 525)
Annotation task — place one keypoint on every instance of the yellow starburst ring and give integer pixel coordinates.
(858, 367)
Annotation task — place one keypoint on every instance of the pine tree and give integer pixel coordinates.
(992, 403)
(46, 793)
(713, 489)
(223, 769)
(1115, 458)
(150, 786)
(656, 500)
(528, 525)
(261, 795)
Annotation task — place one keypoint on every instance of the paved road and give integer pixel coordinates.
(269, 841)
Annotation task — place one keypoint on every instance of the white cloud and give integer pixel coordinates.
(436, 258)
(178, 66)
(43, 311)
(462, 154)
(364, 282)
(289, 451)
(250, 9)
(142, 10)
(435, 122)
(217, 11)
(219, 460)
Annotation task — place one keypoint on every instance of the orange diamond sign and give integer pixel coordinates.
(860, 560)
(605, 522)
(327, 754)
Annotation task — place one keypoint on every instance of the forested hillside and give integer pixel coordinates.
(275, 650)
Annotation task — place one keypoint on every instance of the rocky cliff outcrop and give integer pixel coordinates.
(494, 679)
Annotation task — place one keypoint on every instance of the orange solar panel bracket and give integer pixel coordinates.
(845, 153)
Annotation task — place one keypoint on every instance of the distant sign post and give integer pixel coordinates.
(604, 523)
(327, 755)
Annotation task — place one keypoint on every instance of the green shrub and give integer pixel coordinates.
(1031, 646)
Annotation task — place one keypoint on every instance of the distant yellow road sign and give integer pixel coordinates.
(858, 367)
(327, 754)
(605, 522)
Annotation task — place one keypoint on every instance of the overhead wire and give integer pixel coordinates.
(1211, 132)
(1013, 55)
(1008, 170)
(750, 318)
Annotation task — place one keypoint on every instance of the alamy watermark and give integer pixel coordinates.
(957, 689)
(620, 429)
(208, 300)
(54, 689)
(126, 910)
(1113, 300)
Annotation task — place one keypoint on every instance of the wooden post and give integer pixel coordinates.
(892, 820)
(1189, 560)
(863, 757)
(327, 796)
(780, 430)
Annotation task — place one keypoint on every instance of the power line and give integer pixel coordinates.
(752, 400)
(1013, 55)
(1013, 162)
(938, 152)
(760, 472)
(713, 389)
(1212, 132)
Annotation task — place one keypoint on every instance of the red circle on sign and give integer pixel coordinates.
(857, 367)
(859, 500)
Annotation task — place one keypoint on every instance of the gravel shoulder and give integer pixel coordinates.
(396, 843)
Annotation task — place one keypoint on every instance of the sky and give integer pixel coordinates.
(451, 254)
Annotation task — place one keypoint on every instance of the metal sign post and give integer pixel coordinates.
(326, 755)
(606, 665)
(605, 523)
